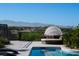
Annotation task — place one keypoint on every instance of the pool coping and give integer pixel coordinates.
(67, 49)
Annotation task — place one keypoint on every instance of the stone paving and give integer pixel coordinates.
(24, 49)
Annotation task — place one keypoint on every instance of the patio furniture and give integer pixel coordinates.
(8, 52)
(52, 35)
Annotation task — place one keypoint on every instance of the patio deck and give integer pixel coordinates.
(24, 47)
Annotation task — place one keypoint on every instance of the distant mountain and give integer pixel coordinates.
(26, 24)
(61, 26)
(20, 23)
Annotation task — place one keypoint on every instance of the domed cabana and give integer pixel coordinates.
(52, 34)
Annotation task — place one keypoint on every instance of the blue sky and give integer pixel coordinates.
(49, 13)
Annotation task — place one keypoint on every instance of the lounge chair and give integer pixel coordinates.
(8, 52)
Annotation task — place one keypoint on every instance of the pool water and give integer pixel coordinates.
(50, 51)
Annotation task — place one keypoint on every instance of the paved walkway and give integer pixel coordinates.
(24, 47)
(20, 46)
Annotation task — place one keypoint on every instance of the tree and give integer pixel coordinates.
(71, 37)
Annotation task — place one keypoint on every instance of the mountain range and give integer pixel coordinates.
(27, 24)
(21, 23)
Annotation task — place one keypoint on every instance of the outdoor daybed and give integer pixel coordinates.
(52, 35)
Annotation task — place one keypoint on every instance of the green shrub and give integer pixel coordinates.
(71, 38)
(1, 42)
(1, 45)
(32, 36)
(4, 40)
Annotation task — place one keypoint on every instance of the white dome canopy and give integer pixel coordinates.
(53, 30)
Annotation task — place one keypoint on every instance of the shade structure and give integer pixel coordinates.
(52, 31)
(52, 35)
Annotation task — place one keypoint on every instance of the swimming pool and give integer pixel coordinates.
(50, 51)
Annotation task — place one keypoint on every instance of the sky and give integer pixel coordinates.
(47, 13)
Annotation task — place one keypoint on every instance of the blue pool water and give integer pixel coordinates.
(50, 51)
